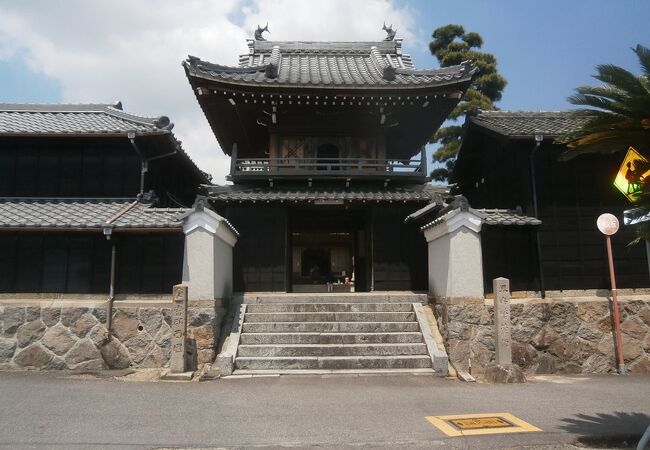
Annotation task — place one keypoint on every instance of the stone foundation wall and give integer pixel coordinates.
(570, 335)
(72, 335)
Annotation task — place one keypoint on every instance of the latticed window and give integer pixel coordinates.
(293, 147)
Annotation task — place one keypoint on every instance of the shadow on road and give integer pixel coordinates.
(605, 430)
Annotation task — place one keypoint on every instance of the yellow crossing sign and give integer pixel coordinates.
(631, 175)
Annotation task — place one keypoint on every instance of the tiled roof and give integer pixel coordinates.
(495, 217)
(84, 213)
(237, 193)
(503, 217)
(329, 64)
(527, 123)
(55, 119)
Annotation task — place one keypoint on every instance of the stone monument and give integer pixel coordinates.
(503, 371)
(178, 361)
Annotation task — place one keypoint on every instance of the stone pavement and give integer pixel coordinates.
(52, 410)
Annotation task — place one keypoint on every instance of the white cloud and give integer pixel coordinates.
(108, 50)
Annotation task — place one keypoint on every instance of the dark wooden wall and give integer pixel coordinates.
(91, 167)
(571, 195)
(399, 251)
(80, 262)
(259, 258)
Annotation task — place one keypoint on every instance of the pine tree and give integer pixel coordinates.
(451, 45)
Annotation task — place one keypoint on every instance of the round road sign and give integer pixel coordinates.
(607, 224)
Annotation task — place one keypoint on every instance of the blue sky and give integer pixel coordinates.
(106, 50)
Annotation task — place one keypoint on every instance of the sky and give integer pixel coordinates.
(101, 51)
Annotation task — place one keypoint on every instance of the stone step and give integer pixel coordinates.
(330, 317)
(329, 372)
(334, 362)
(329, 307)
(331, 338)
(331, 327)
(354, 297)
(273, 350)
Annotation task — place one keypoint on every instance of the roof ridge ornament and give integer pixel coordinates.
(390, 33)
(260, 30)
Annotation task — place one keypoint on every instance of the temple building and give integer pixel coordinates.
(70, 175)
(326, 141)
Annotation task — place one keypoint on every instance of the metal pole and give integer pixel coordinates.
(111, 294)
(617, 325)
(533, 182)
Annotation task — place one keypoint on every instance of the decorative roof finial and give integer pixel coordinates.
(390, 33)
(260, 30)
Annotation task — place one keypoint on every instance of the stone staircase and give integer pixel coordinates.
(322, 337)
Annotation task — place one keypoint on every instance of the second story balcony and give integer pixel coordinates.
(414, 170)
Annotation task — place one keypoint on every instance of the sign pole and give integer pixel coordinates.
(617, 323)
(608, 225)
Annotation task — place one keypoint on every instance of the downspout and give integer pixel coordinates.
(539, 137)
(107, 229)
(111, 292)
(145, 161)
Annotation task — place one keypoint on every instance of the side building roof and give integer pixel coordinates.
(87, 120)
(525, 124)
(85, 214)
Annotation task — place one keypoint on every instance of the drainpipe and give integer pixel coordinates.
(145, 161)
(107, 230)
(111, 292)
(539, 137)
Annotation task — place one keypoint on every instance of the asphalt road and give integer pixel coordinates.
(54, 411)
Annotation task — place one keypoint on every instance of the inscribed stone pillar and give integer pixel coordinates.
(179, 329)
(502, 332)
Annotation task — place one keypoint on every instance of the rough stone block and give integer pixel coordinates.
(199, 316)
(50, 316)
(70, 315)
(155, 357)
(99, 335)
(12, 318)
(151, 319)
(34, 356)
(92, 366)
(30, 332)
(545, 364)
(83, 350)
(115, 355)
(204, 337)
(592, 312)
(99, 314)
(83, 325)
(635, 328)
(205, 356)
(7, 349)
(32, 313)
(641, 365)
(598, 363)
(124, 325)
(504, 374)
(523, 355)
(58, 339)
(590, 332)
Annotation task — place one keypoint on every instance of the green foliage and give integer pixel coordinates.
(618, 115)
(451, 45)
(618, 111)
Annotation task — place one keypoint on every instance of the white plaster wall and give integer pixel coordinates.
(439, 266)
(222, 269)
(456, 264)
(466, 274)
(197, 264)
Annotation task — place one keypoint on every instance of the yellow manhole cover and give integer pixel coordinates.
(474, 424)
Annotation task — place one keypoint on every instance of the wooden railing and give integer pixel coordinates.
(296, 167)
